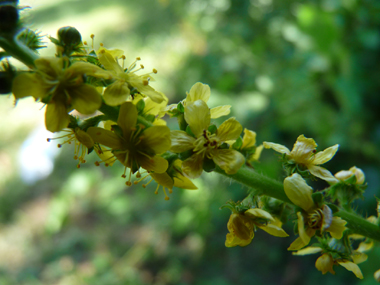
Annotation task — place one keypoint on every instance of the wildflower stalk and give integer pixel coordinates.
(18, 50)
(272, 188)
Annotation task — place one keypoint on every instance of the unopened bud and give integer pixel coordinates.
(69, 36)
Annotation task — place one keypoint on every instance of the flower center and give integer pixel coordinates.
(205, 142)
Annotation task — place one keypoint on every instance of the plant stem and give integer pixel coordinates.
(18, 50)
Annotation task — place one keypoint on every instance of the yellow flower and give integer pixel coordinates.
(152, 108)
(62, 88)
(249, 142)
(133, 144)
(200, 91)
(304, 153)
(241, 226)
(346, 174)
(205, 144)
(312, 218)
(326, 262)
(125, 80)
(376, 275)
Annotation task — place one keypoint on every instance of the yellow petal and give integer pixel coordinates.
(184, 183)
(322, 173)
(198, 91)
(106, 156)
(376, 275)
(297, 244)
(116, 53)
(303, 149)
(156, 138)
(109, 62)
(277, 147)
(365, 246)
(258, 213)
(240, 226)
(232, 240)
(298, 191)
(301, 229)
(116, 93)
(274, 230)
(197, 115)
(358, 257)
(220, 111)
(85, 99)
(249, 139)
(193, 166)
(84, 68)
(84, 138)
(229, 160)
(163, 179)
(26, 84)
(56, 117)
(325, 263)
(337, 227)
(127, 119)
(156, 164)
(229, 130)
(326, 155)
(350, 266)
(256, 155)
(360, 177)
(181, 141)
(105, 137)
(308, 250)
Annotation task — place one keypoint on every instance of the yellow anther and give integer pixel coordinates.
(128, 183)
(97, 163)
(59, 145)
(92, 36)
(138, 58)
(142, 66)
(123, 57)
(85, 43)
(145, 82)
(154, 70)
(101, 44)
(124, 176)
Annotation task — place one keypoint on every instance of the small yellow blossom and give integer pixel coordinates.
(304, 153)
(312, 218)
(135, 145)
(62, 88)
(125, 80)
(326, 262)
(204, 144)
(241, 226)
(200, 91)
(152, 108)
(346, 174)
(249, 142)
(376, 275)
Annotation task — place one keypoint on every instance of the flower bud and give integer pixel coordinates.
(69, 36)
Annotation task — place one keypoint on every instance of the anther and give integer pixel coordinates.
(78, 165)
(101, 44)
(85, 43)
(154, 70)
(142, 66)
(97, 163)
(128, 183)
(92, 36)
(145, 82)
(123, 57)
(124, 176)
(59, 145)
(138, 58)
(48, 140)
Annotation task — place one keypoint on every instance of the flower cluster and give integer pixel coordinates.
(100, 104)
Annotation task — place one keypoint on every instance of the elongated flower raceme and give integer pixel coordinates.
(133, 144)
(312, 218)
(62, 88)
(204, 144)
(304, 153)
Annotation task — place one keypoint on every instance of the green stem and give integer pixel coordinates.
(18, 50)
(269, 187)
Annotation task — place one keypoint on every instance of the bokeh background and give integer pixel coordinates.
(287, 67)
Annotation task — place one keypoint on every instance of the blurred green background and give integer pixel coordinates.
(287, 68)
